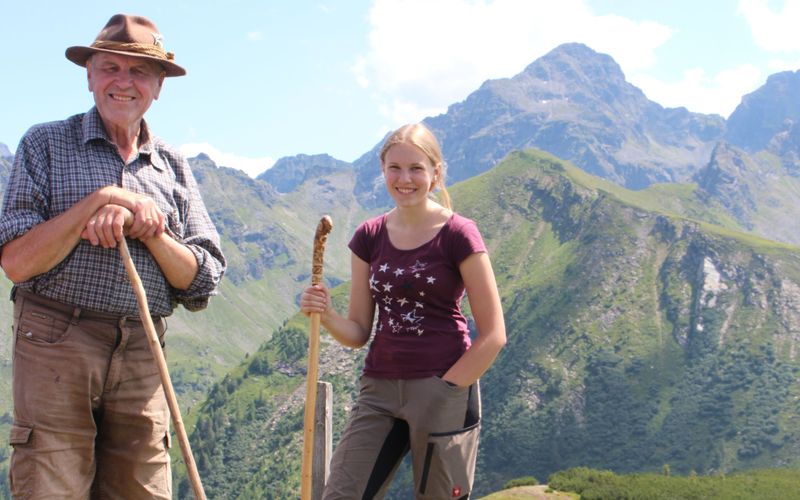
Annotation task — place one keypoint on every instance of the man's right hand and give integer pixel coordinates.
(108, 226)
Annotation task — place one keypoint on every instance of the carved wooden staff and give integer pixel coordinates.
(158, 354)
(320, 237)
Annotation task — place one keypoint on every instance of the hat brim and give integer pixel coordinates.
(80, 54)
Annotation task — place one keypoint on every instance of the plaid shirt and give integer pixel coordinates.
(59, 163)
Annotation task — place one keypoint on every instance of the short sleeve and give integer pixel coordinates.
(359, 243)
(465, 239)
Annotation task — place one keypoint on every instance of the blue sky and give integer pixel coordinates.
(268, 79)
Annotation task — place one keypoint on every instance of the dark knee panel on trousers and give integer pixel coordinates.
(393, 450)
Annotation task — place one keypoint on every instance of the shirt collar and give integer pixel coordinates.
(94, 129)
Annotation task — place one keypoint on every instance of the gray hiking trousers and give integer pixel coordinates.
(435, 420)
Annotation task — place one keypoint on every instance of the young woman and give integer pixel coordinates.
(419, 390)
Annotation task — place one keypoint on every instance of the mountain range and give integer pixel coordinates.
(646, 261)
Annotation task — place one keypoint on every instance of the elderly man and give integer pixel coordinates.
(90, 416)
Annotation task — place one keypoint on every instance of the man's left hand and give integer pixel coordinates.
(108, 226)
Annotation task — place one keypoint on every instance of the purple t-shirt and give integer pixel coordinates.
(420, 331)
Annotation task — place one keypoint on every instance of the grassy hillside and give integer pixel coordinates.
(637, 338)
(772, 484)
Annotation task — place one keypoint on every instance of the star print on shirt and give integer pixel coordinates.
(402, 303)
(418, 266)
(412, 317)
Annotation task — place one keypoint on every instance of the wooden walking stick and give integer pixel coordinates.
(158, 354)
(320, 237)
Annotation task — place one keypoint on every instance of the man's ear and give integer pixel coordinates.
(89, 75)
(161, 78)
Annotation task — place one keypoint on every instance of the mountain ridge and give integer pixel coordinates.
(575, 103)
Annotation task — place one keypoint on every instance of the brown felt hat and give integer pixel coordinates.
(133, 36)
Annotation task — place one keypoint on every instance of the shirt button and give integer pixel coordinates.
(29, 334)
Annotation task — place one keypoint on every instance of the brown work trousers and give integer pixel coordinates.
(90, 416)
(439, 423)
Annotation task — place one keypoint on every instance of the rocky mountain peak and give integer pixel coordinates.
(291, 171)
(786, 144)
(575, 103)
(722, 180)
(771, 109)
(573, 69)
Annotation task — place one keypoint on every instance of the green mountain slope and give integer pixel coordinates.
(636, 339)
(639, 339)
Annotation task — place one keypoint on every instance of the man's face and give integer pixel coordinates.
(124, 87)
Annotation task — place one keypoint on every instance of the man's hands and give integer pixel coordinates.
(102, 218)
(108, 226)
(148, 220)
(126, 214)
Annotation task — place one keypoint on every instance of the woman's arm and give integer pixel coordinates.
(353, 331)
(484, 302)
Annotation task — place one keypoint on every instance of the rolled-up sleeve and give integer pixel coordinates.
(25, 201)
(202, 238)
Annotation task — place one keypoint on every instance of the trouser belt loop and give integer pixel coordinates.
(76, 315)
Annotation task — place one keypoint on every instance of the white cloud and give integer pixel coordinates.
(426, 55)
(778, 65)
(251, 166)
(703, 93)
(773, 30)
(255, 36)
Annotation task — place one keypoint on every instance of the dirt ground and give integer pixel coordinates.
(530, 493)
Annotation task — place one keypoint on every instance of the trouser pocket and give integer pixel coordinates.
(449, 465)
(19, 471)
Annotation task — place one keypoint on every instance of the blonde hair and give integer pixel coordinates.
(420, 136)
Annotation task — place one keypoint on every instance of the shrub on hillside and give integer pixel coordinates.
(521, 481)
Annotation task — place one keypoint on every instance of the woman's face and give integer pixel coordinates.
(409, 174)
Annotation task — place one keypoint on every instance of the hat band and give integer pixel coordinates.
(139, 48)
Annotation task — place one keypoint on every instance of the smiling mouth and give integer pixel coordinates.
(121, 98)
(405, 190)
